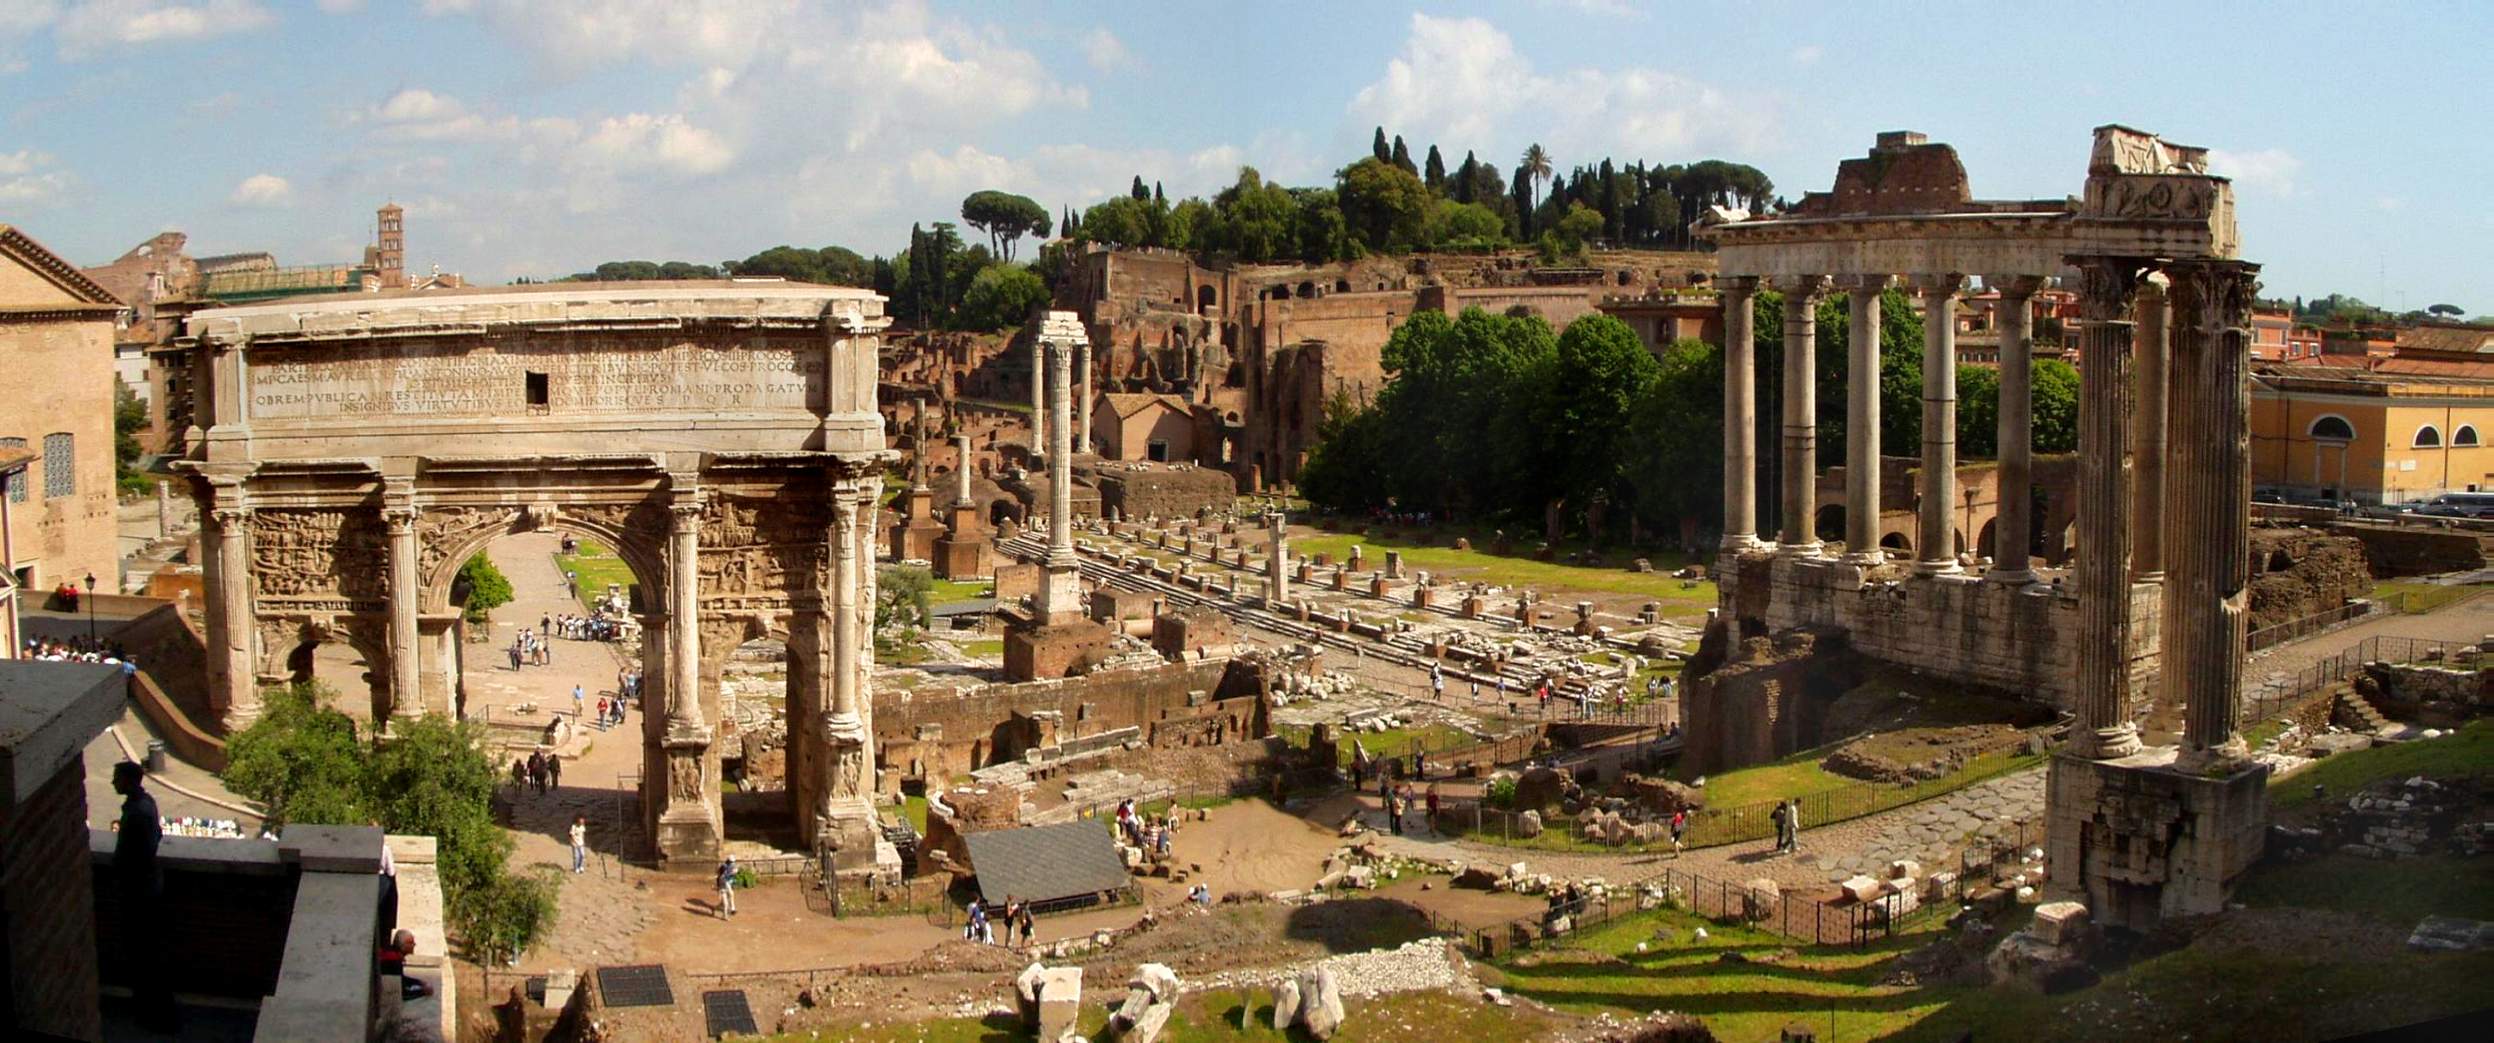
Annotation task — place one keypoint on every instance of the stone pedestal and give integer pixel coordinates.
(963, 552)
(2137, 840)
(688, 827)
(1045, 652)
(914, 538)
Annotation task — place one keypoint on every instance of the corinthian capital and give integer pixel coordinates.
(1801, 287)
(2107, 287)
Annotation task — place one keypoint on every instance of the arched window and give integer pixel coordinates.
(16, 482)
(2428, 437)
(2332, 428)
(2465, 436)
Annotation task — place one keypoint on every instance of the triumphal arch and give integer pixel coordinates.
(722, 437)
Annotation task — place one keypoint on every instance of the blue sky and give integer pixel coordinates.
(538, 137)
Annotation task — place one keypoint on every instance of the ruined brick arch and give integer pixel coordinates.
(1830, 523)
(1983, 540)
(1897, 540)
(1206, 297)
(285, 646)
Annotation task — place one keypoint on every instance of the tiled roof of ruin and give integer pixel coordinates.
(16, 245)
(1044, 862)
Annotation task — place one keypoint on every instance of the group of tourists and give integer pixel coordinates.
(593, 627)
(1400, 802)
(543, 770)
(79, 650)
(1787, 816)
(1017, 916)
(1150, 835)
(527, 649)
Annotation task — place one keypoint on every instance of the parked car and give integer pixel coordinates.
(2459, 505)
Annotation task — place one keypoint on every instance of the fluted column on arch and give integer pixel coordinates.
(2208, 566)
(1801, 422)
(2108, 287)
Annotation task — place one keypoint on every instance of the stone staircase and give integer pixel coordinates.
(2351, 712)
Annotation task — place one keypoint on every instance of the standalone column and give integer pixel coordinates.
(869, 495)
(1740, 413)
(844, 609)
(2210, 508)
(1277, 563)
(2151, 363)
(231, 682)
(1060, 458)
(1039, 396)
(2103, 570)
(1082, 396)
(1801, 412)
(2013, 528)
(1862, 419)
(1937, 518)
(684, 610)
(406, 699)
(961, 471)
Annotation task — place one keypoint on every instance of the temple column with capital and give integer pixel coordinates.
(1039, 396)
(2209, 571)
(843, 814)
(1082, 395)
(1936, 541)
(1801, 424)
(2152, 366)
(2102, 571)
(2013, 527)
(398, 513)
(1862, 418)
(1740, 412)
(686, 822)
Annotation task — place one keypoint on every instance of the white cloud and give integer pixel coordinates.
(1605, 8)
(416, 104)
(1105, 51)
(1460, 81)
(341, 6)
(28, 178)
(1808, 54)
(26, 16)
(665, 143)
(102, 23)
(262, 190)
(2269, 171)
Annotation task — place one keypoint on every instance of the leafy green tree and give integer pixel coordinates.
(1005, 217)
(487, 588)
(1001, 296)
(1379, 148)
(129, 418)
(1464, 226)
(1318, 229)
(2055, 396)
(1602, 372)
(1119, 222)
(1534, 171)
(1402, 157)
(1140, 193)
(1433, 171)
(1252, 220)
(1346, 466)
(1675, 436)
(300, 760)
(1383, 204)
(2448, 311)
(902, 601)
(1567, 238)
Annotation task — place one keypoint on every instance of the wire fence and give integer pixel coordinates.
(2283, 692)
(2297, 628)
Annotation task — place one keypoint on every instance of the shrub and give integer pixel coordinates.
(1500, 793)
(488, 589)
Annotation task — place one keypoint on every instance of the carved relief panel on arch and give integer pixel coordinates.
(319, 553)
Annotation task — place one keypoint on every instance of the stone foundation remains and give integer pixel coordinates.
(2143, 840)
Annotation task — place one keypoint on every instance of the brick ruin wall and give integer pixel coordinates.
(935, 733)
(1767, 700)
(46, 908)
(2298, 573)
(1165, 492)
(2418, 551)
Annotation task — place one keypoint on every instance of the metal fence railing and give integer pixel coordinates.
(2283, 692)
(2312, 624)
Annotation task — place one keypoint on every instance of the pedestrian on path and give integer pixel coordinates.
(1028, 923)
(1433, 807)
(554, 770)
(1394, 812)
(1679, 828)
(537, 768)
(727, 887)
(515, 654)
(580, 843)
(1783, 834)
(579, 698)
(1792, 822)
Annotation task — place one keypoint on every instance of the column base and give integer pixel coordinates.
(1866, 558)
(850, 830)
(2226, 758)
(2106, 744)
(1738, 543)
(2014, 577)
(1811, 549)
(2145, 839)
(1938, 567)
(2157, 577)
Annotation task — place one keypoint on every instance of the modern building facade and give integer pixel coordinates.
(56, 402)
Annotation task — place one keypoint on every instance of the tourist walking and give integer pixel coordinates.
(580, 843)
(1028, 923)
(579, 698)
(554, 770)
(1783, 823)
(537, 769)
(516, 644)
(727, 887)
(140, 884)
(1679, 828)
(1792, 826)
(1394, 812)
(1433, 807)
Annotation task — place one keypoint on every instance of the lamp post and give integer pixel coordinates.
(90, 607)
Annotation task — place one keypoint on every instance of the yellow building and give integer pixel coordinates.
(2396, 430)
(56, 402)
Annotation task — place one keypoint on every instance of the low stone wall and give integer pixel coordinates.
(1958, 628)
(2417, 550)
(2299, 573)
(935, 732)
(1766, 700)
(1149, 491)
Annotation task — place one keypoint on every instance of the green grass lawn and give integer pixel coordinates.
(946, 590)
(2414, 596)
(2397, 892)
(1601, 971)
(1216, 1016)
(595, 566)
(2468, 751)
(1774, 780)
(983, 649)
(1435, 554)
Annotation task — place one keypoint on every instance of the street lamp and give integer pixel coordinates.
(90, 607)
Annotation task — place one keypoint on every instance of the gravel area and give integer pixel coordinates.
(1427, 963)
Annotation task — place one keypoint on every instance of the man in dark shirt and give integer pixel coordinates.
(140, 884)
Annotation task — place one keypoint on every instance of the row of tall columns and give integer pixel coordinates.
(1740, 412)
(1862, 420)
(2013, 524)
(1937, 518)
(2208, 500)
(2106, 388)
(2154, 366)
(1801, 414)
